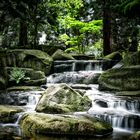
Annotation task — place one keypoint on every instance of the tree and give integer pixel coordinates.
(81, 33)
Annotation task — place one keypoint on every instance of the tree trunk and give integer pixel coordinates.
(134, 42)
(106, 29)
(23, 41)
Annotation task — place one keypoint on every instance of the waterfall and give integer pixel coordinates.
(121, 112)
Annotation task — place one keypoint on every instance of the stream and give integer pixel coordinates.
(123, 113)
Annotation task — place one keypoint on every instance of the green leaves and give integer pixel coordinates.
(16, 74)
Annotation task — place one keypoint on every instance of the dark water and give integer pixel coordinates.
(116, 135)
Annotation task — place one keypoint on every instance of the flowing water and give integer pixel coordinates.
(123, 113)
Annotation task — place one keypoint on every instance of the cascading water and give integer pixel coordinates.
(26, 100)
(121, 112)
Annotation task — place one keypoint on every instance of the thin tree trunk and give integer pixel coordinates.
(106, 29)
(23, 41)
(134, 43)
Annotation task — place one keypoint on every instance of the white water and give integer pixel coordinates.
(122, 113)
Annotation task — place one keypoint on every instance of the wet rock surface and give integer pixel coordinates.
(62, 99)
(8, 114)
(40, 123)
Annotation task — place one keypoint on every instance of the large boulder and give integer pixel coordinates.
(121, 79)
(35, 59)
(7, 113)
(62, 99)
(61, 55)
(40, 123)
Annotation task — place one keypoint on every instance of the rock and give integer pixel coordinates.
(34, 59)
(135, 136)
(61, 55)
(83, 57)
(114, 56)
(2, 83)
(19, 98)
(32, 77)
(129, 93)
(50, 49)
(132, 59)
(7, 113)
(9, 133)
(121, 79)
(110, 60)
(62, 99)
(101, 103)
(40, 123)
(24, 88)
(92, 79)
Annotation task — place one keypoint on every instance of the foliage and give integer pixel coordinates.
(131, 6)
(17, 75)
(80, 33)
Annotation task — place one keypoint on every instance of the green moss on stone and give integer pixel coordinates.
(114, 56)
(61, 55)
(62, 99)
(7, 113)
(63, 124)
(121, 79)
(129, 93)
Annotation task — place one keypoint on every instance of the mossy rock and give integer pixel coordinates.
(50, 49)
(121, 79)
(62, 99)
(7, 113)
(61, 55)
(132, 59)
(135, 136)
(129, 93)
(114, 56)
(2, 83)
(35, 59)
(24, 88)
(40, 123)
(32, 77)
(83, 57)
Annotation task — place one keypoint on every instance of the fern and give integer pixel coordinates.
(17, 74)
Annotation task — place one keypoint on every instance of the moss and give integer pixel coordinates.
(23, 88)
(7, 113)
(63, 124)
(114, 56)
(62, 99)
(129, 93)
(61, 55)
(121, 79)
(2, 83)
(36, 59)
(132, 59)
